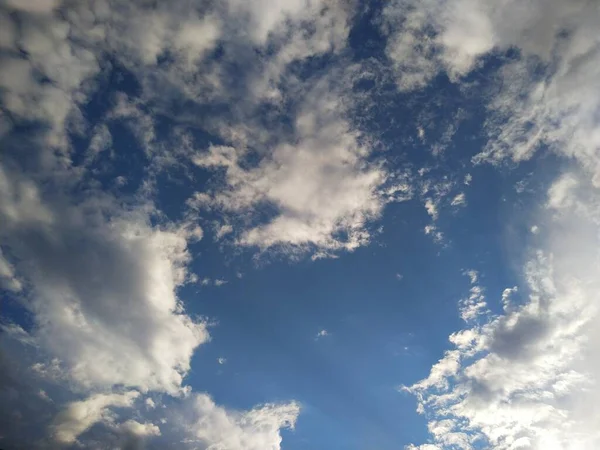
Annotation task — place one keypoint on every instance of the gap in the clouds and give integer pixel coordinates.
(124, 156)
(365, 38)
(113, 78)
(268, 321)
(13, 308)
(126, 159)
(312, 66)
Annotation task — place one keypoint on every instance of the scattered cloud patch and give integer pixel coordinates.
(459, 200)
(321, 334)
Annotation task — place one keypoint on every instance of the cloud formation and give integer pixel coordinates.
(257, 429)
(324, 190)
(77, 417)
(526, 378)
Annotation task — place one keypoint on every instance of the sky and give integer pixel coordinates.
(299, 224)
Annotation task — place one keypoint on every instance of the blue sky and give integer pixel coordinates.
(299, 224)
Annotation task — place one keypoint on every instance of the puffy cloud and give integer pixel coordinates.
(321, 334)
(140, 429)
(527, 111)
(79, 416)
(257, 429)
(69, 50)
(103, 290)
(99, 274)
(324, 190)
(475, 303)
(527, 378)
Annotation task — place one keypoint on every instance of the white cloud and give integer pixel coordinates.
(257, 429)
(44, 396)
(77, 417)
(431, 208)
(324, 190)
(103, 288)
(475, 304)
(529, 111)
(322, 333)
(459, 200)
(431, 230)
(527, 378)
(222, 231)
(557, 110)
(98, 274)
(139, 429)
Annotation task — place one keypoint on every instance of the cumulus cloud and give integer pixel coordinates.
(79, 416)
(526, 112)
(526, 378)
(97, 273)
(321, 185)
(257, 429)
(103, 291)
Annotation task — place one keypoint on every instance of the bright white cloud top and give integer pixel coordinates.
(152, 152)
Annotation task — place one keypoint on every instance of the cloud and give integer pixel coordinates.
(79, 416)
(431, 208)
(526, 378)
(257, 429)
(475, 304)
(459, 200)
(321, 186)
(98, 270)
(103, 290)
(8, 280)
(222, 231)
(140, 429)
(431, 230)
(527, 111)
(321, 334)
